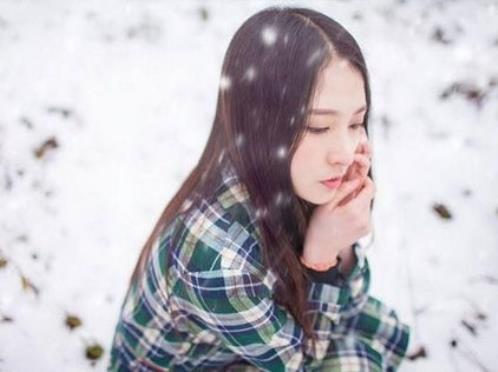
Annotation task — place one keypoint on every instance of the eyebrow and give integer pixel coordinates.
(333, 112)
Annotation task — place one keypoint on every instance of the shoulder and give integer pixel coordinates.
(220, 233)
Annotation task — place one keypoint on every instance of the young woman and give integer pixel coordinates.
(255, 263)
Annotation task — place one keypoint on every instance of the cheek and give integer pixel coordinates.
(301, 165)
(294, 170)
(307, 152)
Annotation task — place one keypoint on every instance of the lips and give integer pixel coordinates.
(333, 179)
(333, 183)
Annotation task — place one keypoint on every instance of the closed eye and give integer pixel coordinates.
(356, 126)
(315, 130)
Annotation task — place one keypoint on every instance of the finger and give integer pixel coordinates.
(351, 172)
(353, 195)
(348, 198)
(359, 167)
(366, 193)
(363, 165)
(346, 188)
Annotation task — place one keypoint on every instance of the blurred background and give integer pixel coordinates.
(105, 107)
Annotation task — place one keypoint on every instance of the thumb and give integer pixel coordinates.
(367, 193)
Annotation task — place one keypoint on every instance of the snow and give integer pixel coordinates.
(225, 82)
(239, 140)
(282, 152)
(118, 99)
(250, 73)
(314, 57)
(269, 35)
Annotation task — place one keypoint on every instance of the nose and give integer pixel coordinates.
(340, 154)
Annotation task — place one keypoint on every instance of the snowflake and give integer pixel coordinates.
(250, 73)
(269, 35)
(220, 158)
(225, 82)
(279, 198)
(286, 39)
(281, 152)
(284, 90)
(312, 59)
(261, 212)
(282, 198)
(186, 203)
(239, 140)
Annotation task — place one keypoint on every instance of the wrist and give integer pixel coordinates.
(348, 259)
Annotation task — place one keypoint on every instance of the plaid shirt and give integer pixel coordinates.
(218, 307)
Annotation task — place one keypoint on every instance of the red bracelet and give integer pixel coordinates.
(320, 266)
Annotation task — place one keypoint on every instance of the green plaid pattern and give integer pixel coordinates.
(217, 313)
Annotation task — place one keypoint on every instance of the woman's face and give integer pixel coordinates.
(334, 129)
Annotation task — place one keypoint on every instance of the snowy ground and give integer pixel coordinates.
(106, 105)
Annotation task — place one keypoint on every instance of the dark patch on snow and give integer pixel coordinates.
(442, 211)
(48, 144)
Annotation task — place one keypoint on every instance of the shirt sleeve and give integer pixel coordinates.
(352, 288)
(371, 320)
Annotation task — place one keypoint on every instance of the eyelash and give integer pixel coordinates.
(322, 130)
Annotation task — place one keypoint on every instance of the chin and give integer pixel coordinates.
(318, 199)
(324, 201)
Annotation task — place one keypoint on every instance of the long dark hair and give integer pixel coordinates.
(268, 80)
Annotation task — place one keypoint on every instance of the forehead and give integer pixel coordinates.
(340, 87)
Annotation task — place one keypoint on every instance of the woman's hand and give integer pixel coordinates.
(361, 164)
(339, 223)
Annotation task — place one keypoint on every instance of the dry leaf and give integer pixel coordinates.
(27, 285)
(72, 321)
(442, 211)
(419, 352)
(94, 352)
